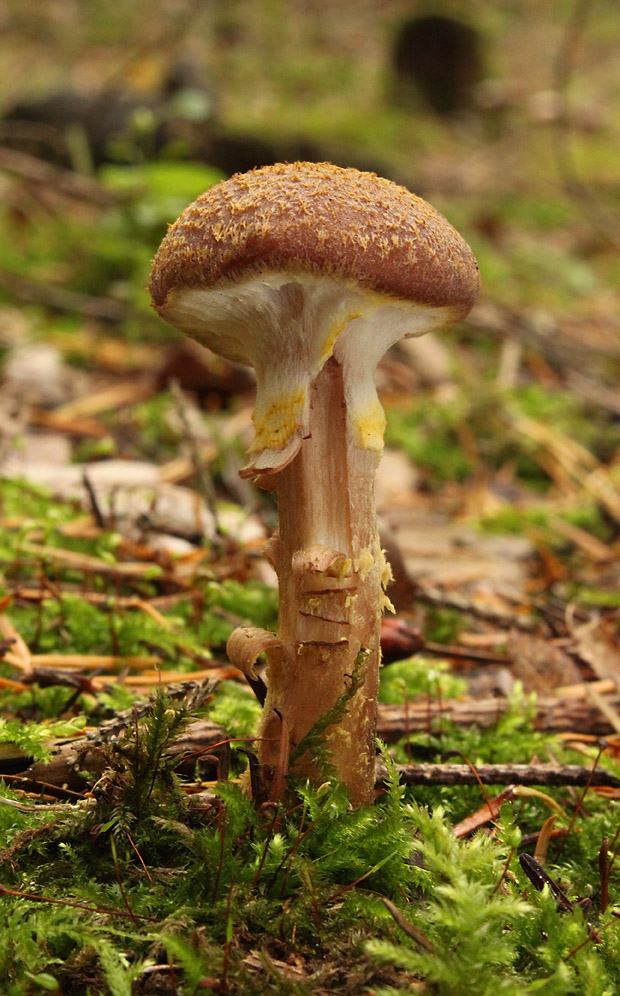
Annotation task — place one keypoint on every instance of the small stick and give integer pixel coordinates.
(33, 897)
(435, 596)
(501, 774)
(539, 878)
(593, 773)
(565, 714)
(204, 477)
(603, 867)
(94, 501)
(61, 299)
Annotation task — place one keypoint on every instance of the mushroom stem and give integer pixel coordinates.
(331, 572)
(309, 273)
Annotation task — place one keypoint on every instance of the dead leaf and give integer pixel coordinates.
(598, 644)
(539, 664)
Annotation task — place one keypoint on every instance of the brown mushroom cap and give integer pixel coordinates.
(319, 219)
(283, 267)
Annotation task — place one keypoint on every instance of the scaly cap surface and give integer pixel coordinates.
(322, 219)
(287, 265)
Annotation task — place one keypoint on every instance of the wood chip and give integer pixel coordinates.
(127, 392)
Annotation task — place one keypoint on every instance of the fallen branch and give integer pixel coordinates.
(520, 618)
(66, 181)
(71, 760)
(501, 774)
(66, 767)
(561, 715)
(62, 299)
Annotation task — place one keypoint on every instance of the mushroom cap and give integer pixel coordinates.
(316, 218)
(289, 265)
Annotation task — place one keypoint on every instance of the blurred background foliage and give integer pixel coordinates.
(505, 115)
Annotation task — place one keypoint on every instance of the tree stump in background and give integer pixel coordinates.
(439, 59)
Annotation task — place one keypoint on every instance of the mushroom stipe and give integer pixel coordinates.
(309, 273)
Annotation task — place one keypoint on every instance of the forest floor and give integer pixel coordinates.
(133, 863)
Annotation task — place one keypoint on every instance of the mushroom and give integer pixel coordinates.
(309, 273)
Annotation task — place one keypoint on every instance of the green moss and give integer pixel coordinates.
(443, 625)
(404, 680)
(235, 710)
(24, 501)
(226, 877)
(597, 596)
(74, 625)
(155, 193)
(450, 441)
(156, 426)
(33, 739)
(429, 435)
(515, 519)
(251, 602)
(94, 449)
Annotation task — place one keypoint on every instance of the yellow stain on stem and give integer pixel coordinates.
(369, 427)
(275, 425)
(330, 339)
